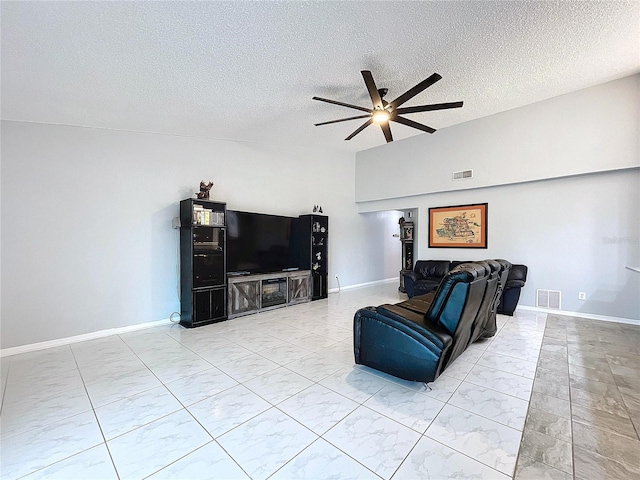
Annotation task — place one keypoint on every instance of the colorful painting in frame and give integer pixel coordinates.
(461, 226)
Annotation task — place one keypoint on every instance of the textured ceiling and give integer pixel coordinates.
(247, 70)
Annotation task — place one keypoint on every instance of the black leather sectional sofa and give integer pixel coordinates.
(417, 339)
(515, 281)
(427, 275)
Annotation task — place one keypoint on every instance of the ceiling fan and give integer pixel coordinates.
(384, 112)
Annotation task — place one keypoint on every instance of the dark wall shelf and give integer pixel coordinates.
(315, 253)
(203, 276)
(406, 238)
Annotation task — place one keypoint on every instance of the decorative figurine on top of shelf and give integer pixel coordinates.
(203, 194)
(320, 209)
(401, 221)
(315, 208)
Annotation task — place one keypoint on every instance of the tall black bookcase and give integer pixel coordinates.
(315, 252)
(406, 238)
(203, 276)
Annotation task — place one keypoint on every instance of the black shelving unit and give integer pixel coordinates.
(203, 276)
(406, 238)
(315, 252)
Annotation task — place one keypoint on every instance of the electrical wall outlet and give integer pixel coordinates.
(582, 295)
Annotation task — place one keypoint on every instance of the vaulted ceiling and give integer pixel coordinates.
(247, 71)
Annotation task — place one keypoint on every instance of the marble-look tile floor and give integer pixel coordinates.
(277, 395)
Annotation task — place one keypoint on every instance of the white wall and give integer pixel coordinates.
(592, 130)
(562, 180)
(575, 234)
(387, 250)
(87, 243)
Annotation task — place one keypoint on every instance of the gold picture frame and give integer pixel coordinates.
(460, 226)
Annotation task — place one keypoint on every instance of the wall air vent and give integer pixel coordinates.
(548, 299)
(462, 175)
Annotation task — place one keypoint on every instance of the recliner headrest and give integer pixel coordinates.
(505, 263)
(476, 269)
(485, 265)
(495, 267)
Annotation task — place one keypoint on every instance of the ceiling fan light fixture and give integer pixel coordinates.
(383, 112)
(381, 116)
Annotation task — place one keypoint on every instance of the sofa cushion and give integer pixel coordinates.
(425, 285)
(432, 268)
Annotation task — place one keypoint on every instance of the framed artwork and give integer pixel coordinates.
(461, 226)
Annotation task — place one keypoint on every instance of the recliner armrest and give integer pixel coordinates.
(434, 333)
(412, 276)
(410, 279)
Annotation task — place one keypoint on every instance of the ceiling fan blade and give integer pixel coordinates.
(343, 104)
(373, 90)
(341, 120)
(428, 108)
(386, 129)
(411, 123)
(362, 127)
(412, 92)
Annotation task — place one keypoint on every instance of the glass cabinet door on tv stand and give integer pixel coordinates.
(203, 276)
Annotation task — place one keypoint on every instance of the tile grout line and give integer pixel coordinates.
(573, 455)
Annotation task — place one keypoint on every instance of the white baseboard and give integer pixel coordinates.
(5, 352)
(589, 316)
(366, 284)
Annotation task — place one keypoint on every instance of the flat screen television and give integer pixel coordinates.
(260, 243)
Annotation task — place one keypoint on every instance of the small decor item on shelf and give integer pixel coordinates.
(319, 256)
(315, 209)
(320, 209)
(316, 266)
(203, 194)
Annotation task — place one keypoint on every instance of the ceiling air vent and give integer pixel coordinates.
(463, 174)
(548, 298)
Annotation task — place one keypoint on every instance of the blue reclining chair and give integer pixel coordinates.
(418, 347)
